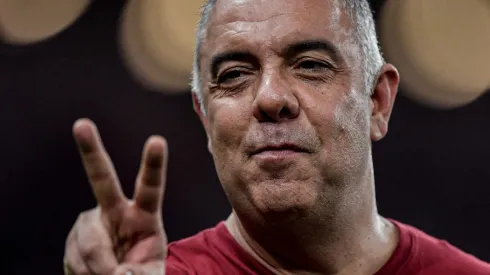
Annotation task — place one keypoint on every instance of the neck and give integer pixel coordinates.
(352, 240)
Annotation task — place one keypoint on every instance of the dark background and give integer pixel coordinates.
(432, 170)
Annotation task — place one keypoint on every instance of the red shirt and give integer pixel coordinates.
(215, 252)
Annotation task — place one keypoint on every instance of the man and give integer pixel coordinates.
(291, 95)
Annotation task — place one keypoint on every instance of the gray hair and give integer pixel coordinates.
(358, 11)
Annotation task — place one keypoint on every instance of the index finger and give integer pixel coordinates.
(98, 165)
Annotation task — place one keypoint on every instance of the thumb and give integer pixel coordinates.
(150, 268)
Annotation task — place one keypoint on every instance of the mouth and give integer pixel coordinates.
(279, 148)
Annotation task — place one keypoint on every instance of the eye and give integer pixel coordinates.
(313, 66)
(231, 75)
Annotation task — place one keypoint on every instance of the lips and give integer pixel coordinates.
(279, 147)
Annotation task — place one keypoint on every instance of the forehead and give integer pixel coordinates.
(259, 10)
(272, 23)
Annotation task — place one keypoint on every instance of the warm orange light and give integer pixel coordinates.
(441, 47)
(157, 41)
(31, 21)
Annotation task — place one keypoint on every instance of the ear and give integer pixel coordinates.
(204, 120)
(382, 100)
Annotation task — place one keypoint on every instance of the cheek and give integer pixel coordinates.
(343, 128)
(350, 117)
(228, 123)
(350, 145)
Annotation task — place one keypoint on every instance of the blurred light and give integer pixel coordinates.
(31, 21)
(157, 42)
(440, 47)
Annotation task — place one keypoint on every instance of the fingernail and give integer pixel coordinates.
(128, 273)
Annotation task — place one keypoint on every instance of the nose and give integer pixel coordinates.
(275, 100)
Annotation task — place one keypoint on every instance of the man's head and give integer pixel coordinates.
(291, 93)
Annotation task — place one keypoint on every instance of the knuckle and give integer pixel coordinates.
(97, 168)
(87, 217)
(98, 174)
(82, 217)
(73, 265)
(88, 249)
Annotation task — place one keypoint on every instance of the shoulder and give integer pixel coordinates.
(430, 255)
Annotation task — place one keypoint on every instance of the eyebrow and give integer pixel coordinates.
(288, 51)
(314, 45)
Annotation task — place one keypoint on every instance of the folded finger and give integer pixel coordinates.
(95, 246)
(72, 261)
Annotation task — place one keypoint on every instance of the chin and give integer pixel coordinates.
(283, 199)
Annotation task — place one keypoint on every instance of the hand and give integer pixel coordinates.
(120, 236)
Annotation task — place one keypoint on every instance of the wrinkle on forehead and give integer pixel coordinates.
(232, 18)
(227, 11)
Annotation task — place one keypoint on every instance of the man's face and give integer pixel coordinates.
(288, 117)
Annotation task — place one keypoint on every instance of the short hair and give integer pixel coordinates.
(358, 11)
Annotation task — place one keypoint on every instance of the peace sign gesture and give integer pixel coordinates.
(120, 236)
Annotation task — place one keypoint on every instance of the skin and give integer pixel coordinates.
(120, 236)
(268, 92)
(303, 209)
